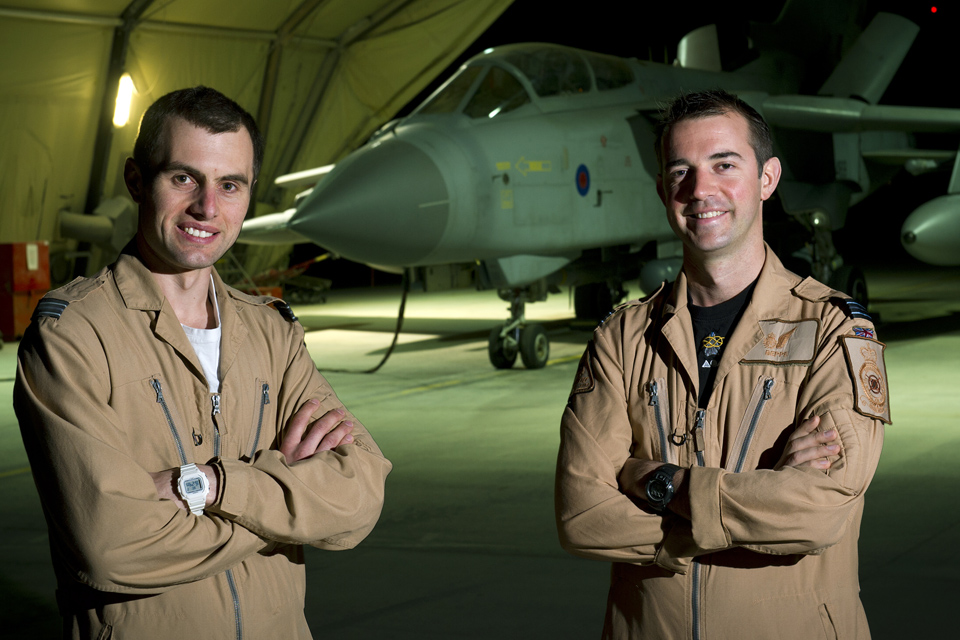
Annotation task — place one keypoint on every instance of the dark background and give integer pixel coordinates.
(926, 78)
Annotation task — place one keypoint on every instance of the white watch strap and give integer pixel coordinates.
(196, 501)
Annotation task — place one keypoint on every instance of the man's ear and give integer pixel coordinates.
(770, 177)
(133, 178)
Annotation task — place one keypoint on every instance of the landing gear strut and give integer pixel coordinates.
(517, 337)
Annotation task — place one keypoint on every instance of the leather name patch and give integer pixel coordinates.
(869, 374)
(785, 343)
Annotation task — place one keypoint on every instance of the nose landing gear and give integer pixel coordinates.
(517, 337)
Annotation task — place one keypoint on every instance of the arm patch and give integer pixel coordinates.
(871, 395)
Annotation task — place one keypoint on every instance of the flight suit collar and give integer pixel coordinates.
(140, 291)
(767, 302)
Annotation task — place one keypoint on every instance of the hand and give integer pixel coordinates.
(166, 483)
(303, 438)
(808, 447)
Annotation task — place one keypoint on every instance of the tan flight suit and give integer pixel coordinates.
(108, 390)
(770, 552)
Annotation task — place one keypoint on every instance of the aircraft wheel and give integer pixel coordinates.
(502, 351)
(534, 346)
(850, 280)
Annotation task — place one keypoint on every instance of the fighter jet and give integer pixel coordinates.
(533, 168)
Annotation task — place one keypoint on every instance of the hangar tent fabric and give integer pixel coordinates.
(319, 75)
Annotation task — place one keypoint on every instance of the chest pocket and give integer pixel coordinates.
(764, 426)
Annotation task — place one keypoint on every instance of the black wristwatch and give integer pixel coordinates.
(660, 487)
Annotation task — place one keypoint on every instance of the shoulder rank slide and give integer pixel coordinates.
(865, 359)
(856, 310)
(49, 308)
(285, 311)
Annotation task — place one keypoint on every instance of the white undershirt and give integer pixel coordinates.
(206, 342)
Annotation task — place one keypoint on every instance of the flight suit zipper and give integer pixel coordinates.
(155, 383)
(752, 426)
(231, 583)
(699, 444)
(653, 388)
(264, 401)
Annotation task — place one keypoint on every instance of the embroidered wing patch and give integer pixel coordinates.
(785, 343)
(865, 358)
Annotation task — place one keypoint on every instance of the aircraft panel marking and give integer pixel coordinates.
(529, 166)
(583, 180)
(506, 198)
(503, 166)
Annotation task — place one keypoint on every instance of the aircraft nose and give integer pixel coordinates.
(385, 204)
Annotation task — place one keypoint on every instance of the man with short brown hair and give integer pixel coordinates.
(720, 433)
(182, 441)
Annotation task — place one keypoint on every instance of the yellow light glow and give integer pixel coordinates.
(124, 97)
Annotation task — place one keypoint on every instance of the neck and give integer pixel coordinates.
(189, 295)
(711, 281)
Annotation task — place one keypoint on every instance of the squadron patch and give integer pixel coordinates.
(785, 343)
(584, 382)
(865, 358)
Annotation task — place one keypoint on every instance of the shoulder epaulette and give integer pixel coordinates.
(285, 311)
(49, 308)
(852, 308)
(663, 289)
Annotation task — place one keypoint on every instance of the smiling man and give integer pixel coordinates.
(721, 433)
(182, 441)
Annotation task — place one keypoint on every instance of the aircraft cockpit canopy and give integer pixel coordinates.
(485, 89)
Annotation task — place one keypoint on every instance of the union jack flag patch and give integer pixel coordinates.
(863, 332)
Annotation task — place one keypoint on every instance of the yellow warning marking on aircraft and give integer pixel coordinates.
(531, 166)
(503, 166)
(14, 472)
(506, 198)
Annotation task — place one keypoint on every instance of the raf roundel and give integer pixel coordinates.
(583, 180)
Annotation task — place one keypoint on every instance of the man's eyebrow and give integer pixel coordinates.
(726, 154)
(720, 155)
(180, 166)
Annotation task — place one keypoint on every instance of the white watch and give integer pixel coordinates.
(194, 487)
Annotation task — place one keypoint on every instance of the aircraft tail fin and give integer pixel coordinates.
(868, 67)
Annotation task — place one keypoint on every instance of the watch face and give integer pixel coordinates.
(657, 491)
(193, 485)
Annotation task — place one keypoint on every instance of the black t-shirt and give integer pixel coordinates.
(712, 327)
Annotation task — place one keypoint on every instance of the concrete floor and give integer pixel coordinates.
(466, 547)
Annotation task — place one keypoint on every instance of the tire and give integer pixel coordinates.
(502, 356)
(850, 280)
(534, 346)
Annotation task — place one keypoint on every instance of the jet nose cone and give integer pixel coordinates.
(385, 204)
(932, 232)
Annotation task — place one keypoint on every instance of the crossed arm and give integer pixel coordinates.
(301, 439)
(806, 447)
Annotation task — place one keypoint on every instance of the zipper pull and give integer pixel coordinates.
(767, 385)
(215, 399)
(654, 400)
(197, 439)
(266, 393)
(156, 387)
(699, 441)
